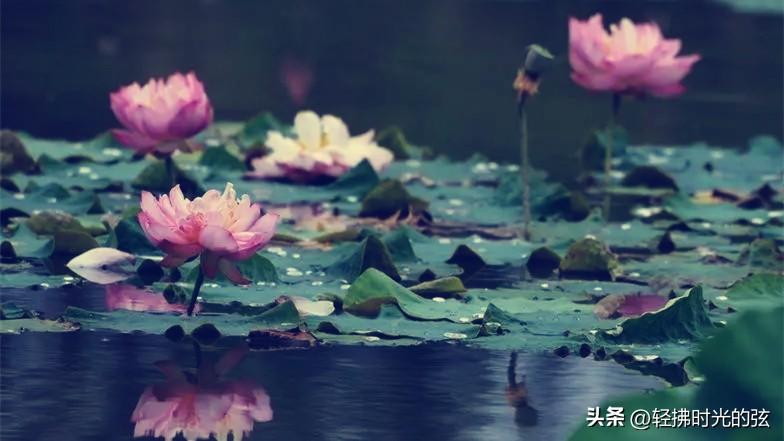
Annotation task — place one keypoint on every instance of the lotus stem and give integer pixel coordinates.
(616, 107)
(196, 289)
(511, 371)
(524, 171)
(197, 353)
(169, 166)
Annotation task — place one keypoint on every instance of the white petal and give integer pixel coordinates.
(308, 128)
(319, 308)
(103, 265)
(336, 130)
(279, 143)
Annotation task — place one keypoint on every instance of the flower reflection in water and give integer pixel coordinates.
(517, 396)
(131, 298)
(203, 404)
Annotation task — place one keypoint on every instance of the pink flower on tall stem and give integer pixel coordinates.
(161, 115)
(631, 58)
(219, 228)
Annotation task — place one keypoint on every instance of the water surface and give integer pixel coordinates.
(85, 385)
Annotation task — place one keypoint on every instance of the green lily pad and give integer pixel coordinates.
(374, 288)
(13, 155)
(219, 158)
(128, 236)
(356, 182)
(47, 223)
(648, 176)
(15, 320)
(254, 131)
(443, 287)
(543, 262)
(282, 316)
(155, 178)
(103, 148)
(388, 198)
(26, 243)
(589, 259)
(756, 291)
(49, 197)
(370, 253)
(734, 379)
(682, 318)
(467, 259)
(762, 253)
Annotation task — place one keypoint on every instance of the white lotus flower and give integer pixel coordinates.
(322, 147)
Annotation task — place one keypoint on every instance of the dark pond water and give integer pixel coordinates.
(93, 380)
(441, 70)
(84, 386)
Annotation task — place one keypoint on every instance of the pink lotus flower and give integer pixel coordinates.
(201, 406)
(322, 148)
(161, 115)
(219, 227)
(629, 59)
(131, 298)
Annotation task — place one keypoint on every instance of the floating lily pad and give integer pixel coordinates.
(398, 242)
(370, 253)
(128, 236)
(219, 158)
(762, 253)
(48, 197)
(156, 178)
(444, 287)
(47, 223)
(543, 262)
(756, 291)
(734, 379)
(357, 182)
(589, 259)
(374, 288)
(13, 155)
(283, 316)
(388, 198)
(15, 320)
(467, 259)
(682, 318)
(650, 177)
